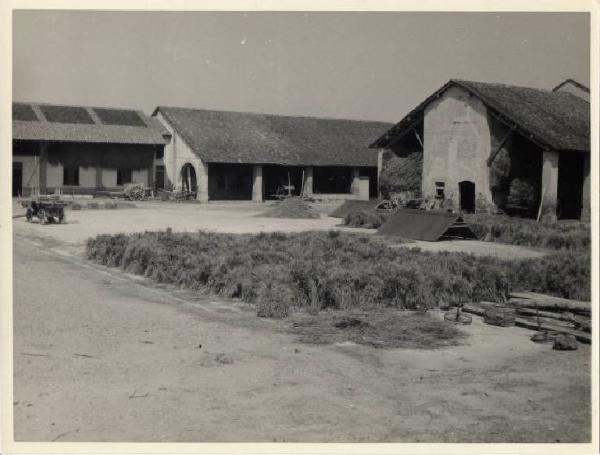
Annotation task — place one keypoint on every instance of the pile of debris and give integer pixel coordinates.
(562, 322)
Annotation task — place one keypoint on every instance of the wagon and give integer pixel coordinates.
(46, 211)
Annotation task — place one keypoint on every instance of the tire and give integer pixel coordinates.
(29, 214)
(62, 218)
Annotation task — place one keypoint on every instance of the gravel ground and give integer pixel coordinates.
(100, 355)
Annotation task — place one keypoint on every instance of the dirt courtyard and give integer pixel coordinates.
(101, 355)
(233, 217)
(105, 356)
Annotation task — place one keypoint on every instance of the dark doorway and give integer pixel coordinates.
(230, 182)
(159, 177)
(17, 179)
(466, 191)
(570, 185)
(332, 180)
(188, 178)
(282, 181)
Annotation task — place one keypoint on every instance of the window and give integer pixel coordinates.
(123, 176)
(71, 176)
(439, 190)
(160, 153)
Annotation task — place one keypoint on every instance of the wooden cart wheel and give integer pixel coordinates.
(29, 214)
(42, 216)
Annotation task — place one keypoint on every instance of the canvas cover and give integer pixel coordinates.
(430, 225)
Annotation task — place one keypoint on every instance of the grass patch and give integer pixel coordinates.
(416, 330)
(564, 235)
(292, 207)
(321, 270)
(571, 235)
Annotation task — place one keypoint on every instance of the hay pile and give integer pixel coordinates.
(293, 207)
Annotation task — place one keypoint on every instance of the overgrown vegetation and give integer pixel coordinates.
(401, 174)
(293, 207)
(528, 232)
(318, 270)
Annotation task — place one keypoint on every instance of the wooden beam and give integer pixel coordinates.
(520, 322)
(418, 138)
(407, 129)
(506, 137)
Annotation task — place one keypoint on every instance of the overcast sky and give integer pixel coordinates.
(373, 66)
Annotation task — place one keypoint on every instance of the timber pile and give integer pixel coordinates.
(539, 312)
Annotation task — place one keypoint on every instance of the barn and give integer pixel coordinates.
(495, 147)
(83, 150)
(224, 155)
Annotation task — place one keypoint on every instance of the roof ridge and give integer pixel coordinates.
(265, 114)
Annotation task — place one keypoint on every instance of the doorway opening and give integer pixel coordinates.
(570, 185)
(466, 191)
(188, 178)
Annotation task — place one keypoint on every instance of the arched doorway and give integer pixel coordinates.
(466, 191)
(188, 178)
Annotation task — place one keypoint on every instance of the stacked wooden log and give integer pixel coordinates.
(539, 312)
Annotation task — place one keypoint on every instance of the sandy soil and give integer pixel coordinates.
(103, 356)
(235, 217)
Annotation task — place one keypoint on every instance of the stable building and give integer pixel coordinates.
(248, 156)
(83, 150)
(494, 147)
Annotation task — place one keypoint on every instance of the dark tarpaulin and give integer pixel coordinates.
(426, 225)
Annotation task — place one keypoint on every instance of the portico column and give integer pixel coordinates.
(308, 181)
(550, 184)
(43, 167)
(355, 187)
(202, 181)
(257, 183)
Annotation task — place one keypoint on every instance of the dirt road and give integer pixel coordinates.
(102, 356)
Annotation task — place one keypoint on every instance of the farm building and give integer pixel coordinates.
(248, 156)
(83, 150)
(484, 146)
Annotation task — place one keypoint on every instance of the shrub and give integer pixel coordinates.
(75, 206)
(522, 193)
(401, 174)
(92, 205)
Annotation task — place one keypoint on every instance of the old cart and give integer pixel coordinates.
(46, 211)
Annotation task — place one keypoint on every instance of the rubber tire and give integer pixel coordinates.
(42, 216)
(29, 214)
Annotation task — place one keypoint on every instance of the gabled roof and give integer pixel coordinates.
(51, 122)
(573, 83)
(240, 137)
(554, 120)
